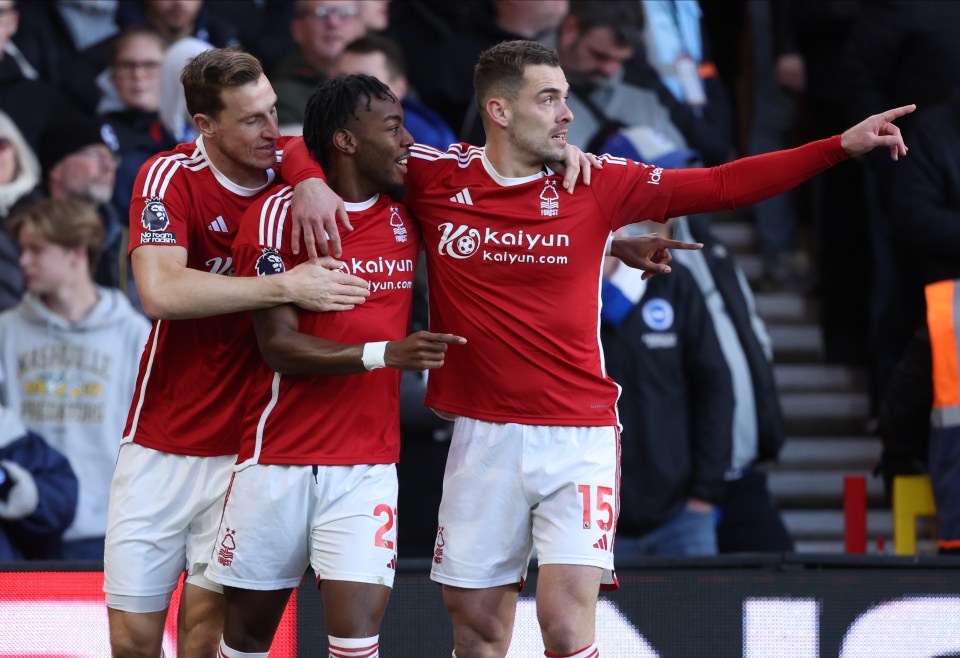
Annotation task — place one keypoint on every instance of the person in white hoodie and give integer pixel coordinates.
(69, 354)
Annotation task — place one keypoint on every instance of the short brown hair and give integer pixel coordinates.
(500, 69)
(67, 223)
(624, 19)
(377, 43)
(212, 71)
(132, 32)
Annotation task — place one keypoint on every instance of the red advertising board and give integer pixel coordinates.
(62, 614)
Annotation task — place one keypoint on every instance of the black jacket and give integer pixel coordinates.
(676, 407)
(926, 193)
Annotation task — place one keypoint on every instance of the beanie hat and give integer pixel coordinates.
(70, 133)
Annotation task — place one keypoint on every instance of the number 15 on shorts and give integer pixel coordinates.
(596, 501)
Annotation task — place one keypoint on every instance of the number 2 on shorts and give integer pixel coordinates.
(386, 527)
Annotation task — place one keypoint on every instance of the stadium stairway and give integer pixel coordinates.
(826, 408)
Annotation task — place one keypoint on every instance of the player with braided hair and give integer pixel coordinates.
(316, 481)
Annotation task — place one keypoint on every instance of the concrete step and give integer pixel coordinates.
(814, 377)
(821, 489)
(796, 343)
(808, 453)
(832, 546)
(830, 524)
(737, 235)
(752, 266)
(786, 307)
(834, 413)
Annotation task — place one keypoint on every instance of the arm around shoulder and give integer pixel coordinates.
(170, 290)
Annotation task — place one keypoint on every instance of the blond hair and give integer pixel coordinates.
(67, 223)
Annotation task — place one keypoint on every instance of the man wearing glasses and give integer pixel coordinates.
(321, 29)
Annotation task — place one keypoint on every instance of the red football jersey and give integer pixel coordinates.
(341, 419)
(193, 373)
(515, 267)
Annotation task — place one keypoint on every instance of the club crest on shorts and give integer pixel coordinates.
(269, 263)
(154, 216)
(227, 547)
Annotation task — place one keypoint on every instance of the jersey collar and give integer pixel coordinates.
(229, 184)
(362, 205)
(504, 181)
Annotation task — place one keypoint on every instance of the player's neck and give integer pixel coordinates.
(238, 173)
(349, 186)
(508, 161)
(72, 301)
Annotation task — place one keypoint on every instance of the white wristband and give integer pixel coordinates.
(373, 355)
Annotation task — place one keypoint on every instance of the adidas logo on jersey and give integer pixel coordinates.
(602, 543)
(218, 225)
(463, 196)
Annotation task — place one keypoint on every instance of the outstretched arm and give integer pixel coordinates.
(288, 351)
(877, 131)
(749, 180)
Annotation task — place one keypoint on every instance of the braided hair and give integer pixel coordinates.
(331, 106)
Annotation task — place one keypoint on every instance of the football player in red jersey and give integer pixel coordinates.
(316, 479)
(182, 431)
(515, 268)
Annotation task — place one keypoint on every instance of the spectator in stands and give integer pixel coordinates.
(676, 408)
(455, 33)
(38, 493)
(80, 34)
(79, 159)
(130, 104)
(926, 201)
(171, 19)
(321, 29)
(19, 176)
(916, 45)
(24, 95)
(176, 19)
(263, 26)
(375, 14)
(74, 25)
(380, 57)
(778, 80)
(749, 518)
(594, 43)
(750, 521)
(69, 354)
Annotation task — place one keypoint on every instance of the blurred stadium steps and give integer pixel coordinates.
(827, 413)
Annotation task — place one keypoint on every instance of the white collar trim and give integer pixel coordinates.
(362, 205)
(510, 182)
(229, 184)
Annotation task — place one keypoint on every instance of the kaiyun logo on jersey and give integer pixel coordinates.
(464, 241)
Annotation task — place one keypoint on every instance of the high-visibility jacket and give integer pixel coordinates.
(943, 314)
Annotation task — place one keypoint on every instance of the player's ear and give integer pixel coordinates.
(204, 124)
(344, 141)
(498, 112)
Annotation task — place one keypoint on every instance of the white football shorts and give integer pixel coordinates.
(510, 488)
(341, 520)
(162, 518)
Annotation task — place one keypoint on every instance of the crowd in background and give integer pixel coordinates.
(89, 90)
